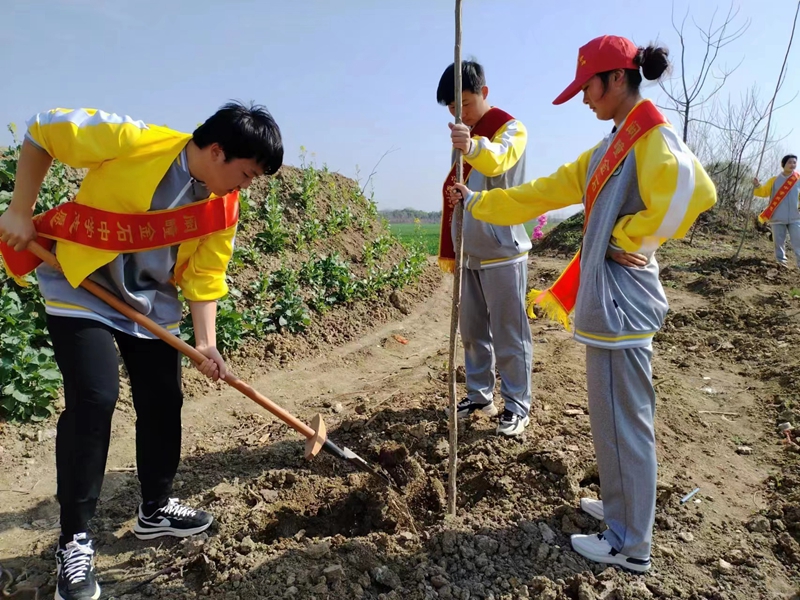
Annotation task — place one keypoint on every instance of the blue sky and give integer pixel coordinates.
(352, 79)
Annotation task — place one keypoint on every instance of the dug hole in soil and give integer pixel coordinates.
(726, 373)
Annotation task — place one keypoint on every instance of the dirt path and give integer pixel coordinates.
(284, 524)
(361, 372)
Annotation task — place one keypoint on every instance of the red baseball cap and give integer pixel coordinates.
(604, 53)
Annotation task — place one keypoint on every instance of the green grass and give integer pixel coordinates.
(429, 233)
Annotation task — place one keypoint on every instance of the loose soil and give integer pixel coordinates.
(727, 373)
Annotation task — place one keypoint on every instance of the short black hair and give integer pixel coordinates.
(244, 132)
(472, 80)
(653, 62)
(786, 158)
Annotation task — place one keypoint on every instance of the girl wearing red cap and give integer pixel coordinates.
(640, 186)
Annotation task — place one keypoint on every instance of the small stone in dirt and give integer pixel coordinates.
(778, 525)
(461, 374)
(400, 303)
(666, 551)
(486, 544)
(439, 581)
(507, 481)
(406, 536)
(334, 573)
(292, 591)
(246, 546)
(528, 526)
(586, 592)
(725, 567)
(223, 490)
(144, 556)
(744, 450)
(449, 539)
(441, 450)
(568, 527)
(686, 536)
(385, 576)
(759, 524)
(573, 412)
(269, 495)
(327, 404)
(320, 588)
(547, 534)
(557, 463)
(192, 546)
(318, 550)
(418, 431)
(338, 408)
(736, 557)
(542, 552)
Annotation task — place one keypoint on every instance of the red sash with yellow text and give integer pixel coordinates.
(123, 233)
(778, 198)
(558, 301)
(488, 127)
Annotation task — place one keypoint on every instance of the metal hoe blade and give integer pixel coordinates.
(359, 463)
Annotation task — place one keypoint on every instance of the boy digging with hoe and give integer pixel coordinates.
(157, 210)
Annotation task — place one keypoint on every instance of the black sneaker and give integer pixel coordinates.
(512, 424)
(466, 407)
(174, 519)
(75, 566)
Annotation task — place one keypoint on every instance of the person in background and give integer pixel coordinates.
(783, 211)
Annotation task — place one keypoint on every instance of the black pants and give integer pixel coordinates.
(87, 358)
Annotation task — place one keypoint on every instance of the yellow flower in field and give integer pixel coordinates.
(416, 220)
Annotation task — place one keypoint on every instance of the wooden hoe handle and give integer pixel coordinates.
(315, 438)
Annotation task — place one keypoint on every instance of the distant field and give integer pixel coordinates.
(429, 233)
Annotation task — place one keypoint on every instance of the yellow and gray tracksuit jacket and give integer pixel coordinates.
(655, 195)
(133, 167)
(496, 163)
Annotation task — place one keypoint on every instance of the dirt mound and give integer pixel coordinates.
(313, 265)
(716, 276)
(563, 240)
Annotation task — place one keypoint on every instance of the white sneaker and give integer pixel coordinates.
(595, 547)
(593, 508)
(511, 424)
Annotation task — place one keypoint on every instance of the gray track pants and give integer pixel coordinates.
(622, 405)
(494, 327)
(779, 234)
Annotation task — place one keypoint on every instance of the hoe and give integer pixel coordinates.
(315, 434)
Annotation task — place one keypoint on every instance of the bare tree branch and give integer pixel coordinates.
(691, 92)
(375, 168)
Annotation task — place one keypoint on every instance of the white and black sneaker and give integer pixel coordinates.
(174, 519)
(595, 547)
(466, 407)
(512, 424)
(75, 567)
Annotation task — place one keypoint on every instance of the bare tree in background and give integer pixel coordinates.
(685, 92)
